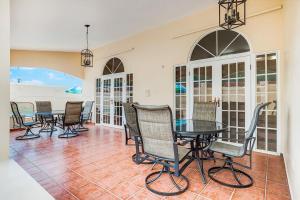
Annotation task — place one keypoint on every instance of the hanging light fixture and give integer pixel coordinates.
(86, 54)
(230, 13)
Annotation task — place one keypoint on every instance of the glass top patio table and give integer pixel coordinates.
(203, 133)
(54, 112)
(193, 128)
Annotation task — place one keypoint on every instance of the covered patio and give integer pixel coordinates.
(98, 165)
(174, 99)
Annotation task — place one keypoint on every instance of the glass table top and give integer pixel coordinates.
(54, 112)
(196, 127)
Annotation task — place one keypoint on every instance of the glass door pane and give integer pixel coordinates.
(98, 100)
(234, 100)
(117, 102)
(180, 92)
(266, 91)
(202, 84)
(106, 114)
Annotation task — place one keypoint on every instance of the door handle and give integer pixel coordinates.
(217, 101)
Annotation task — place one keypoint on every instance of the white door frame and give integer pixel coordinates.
(251, 89)
(216, 64)
(216, 61)
(112, 77)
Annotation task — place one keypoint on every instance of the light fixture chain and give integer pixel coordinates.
(87, 37)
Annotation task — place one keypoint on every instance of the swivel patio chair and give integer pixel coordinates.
(231, 151)
(131, 124)
(27, 110)
(28, 125)
(71, 118)
(155, 125)
(86, 115)
(47, 121)
(132, 133)
(205, 111)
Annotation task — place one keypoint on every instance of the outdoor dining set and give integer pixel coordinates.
(71, 120)
(160, 140)
(175, 144)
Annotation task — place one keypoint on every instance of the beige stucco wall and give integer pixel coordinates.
(156, 51)
(4, 78)
(156, 48)
(291, 116)
(68, 62)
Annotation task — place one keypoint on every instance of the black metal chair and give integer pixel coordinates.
(159, 142)
(131, 124)
(27, 110)
(230, 151)
(28, 125)
(47, 121)
(86, 115)
(205, 111)
(132, 133)
(71, 118)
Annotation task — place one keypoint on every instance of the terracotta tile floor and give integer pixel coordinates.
(98, 165)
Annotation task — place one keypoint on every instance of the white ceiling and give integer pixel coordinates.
(58, 24)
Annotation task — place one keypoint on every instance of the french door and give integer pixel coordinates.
(226, 82)
(113, 89)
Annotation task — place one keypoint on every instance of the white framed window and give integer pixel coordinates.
(266, 76)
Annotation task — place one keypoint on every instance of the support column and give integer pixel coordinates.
(4, 77)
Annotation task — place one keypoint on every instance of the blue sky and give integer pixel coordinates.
(43, 76)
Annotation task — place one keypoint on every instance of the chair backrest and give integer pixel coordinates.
(26, 108)
(250, 132)
(130, 116)
(205, 111)
(87, 110)
(156, 128)
(72, 113)
(16, 113)
(43, 106)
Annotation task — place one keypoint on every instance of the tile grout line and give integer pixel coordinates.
(97, 185)
(48, 177)
(265, 197)
(231, 196)
(141, 188)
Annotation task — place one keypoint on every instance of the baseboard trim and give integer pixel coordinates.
(288, 178)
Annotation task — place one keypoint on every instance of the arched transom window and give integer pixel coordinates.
(113, 66)
(219, 43)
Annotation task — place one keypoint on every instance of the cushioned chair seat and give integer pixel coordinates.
(227, 149)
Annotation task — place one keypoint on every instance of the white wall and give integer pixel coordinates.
(156, 51)
(4, 77)
(33, 93)
(292, 115)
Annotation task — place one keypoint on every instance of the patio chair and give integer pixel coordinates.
(86, 115)
(47, 121)
(155, 125)
(205, 111)
(27, 111)
(132, 133)
(28, 125)
(131, 124)
(231, 151)
(71, 118)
